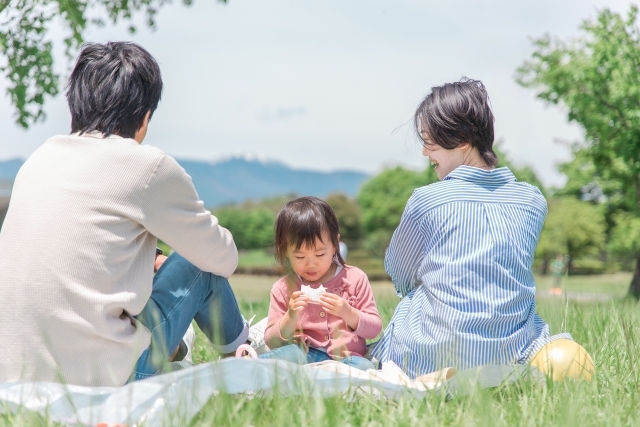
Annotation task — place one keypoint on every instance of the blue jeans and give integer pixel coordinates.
(181, 293)
(293, 353)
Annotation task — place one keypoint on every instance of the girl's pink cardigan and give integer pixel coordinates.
(319, 329)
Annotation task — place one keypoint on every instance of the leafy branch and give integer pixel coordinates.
(26, 54)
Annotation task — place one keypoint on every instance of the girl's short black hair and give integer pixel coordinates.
(458, 113)
(112, 87)
(301, 222)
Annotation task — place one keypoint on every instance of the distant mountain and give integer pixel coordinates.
(238, 179)
(9, 169)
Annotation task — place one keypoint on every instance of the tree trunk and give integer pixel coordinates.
(634, 288)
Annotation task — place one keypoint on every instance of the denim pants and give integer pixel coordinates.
(293, 353)
(181, 293)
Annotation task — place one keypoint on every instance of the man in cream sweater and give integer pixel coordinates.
(79, 300)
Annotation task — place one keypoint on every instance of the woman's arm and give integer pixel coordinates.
(405, 252)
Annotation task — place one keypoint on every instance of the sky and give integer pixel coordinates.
(333, 84)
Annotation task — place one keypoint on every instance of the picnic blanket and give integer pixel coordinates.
(174, 398)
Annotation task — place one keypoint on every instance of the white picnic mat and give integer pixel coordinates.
(173, 399)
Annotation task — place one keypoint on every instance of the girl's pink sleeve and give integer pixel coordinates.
(278, 306)
(370, 324)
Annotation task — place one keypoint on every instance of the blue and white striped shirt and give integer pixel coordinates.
(461, 261)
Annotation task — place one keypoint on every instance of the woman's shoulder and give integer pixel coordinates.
(430, 196)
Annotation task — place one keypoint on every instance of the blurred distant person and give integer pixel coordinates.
(343, 250)
(557, 268)
(79, 302)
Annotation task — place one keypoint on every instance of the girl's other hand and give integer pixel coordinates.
(338, 306)
(297, 303)
(335, 305)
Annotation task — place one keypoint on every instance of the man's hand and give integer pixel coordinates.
(338, 306)
(160, 259)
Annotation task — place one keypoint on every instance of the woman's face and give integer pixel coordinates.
(443, 160)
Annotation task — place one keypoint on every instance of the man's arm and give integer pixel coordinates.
(173, 212)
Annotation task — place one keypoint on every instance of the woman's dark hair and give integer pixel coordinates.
(112, 87)
(301, 222)
(458, 113)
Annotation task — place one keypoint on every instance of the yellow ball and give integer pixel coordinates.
(564, 358)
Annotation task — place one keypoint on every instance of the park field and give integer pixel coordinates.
(606, 325)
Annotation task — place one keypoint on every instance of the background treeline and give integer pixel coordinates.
(587, 220)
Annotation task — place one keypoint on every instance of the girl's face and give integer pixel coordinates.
(443, 160)
(313, 264)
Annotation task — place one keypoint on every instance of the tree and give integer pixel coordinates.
(251, 229)
(522, 173)
(25, 45)
(383, 199)
(572, 227)
(624, 242)
(597, 78)
(349, 217)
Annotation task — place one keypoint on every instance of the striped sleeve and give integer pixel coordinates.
(405, 252)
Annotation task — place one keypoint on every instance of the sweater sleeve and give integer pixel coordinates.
(370, 324)
(278, 306)
(173, 212)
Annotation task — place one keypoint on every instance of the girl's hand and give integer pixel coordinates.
(335, 305)
(338, 306)
(160, 259)
(297, 303)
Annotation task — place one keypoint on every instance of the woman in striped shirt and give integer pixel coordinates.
(461, 257)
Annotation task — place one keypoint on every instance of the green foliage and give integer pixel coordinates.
(596, 77)
(24, 42)
(383, 199)
(349, 218)
(251, 229)
(600, 187)
(272, 204)
(522, 173)
(572, 227)
(624, 242)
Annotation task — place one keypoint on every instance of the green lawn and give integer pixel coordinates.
(607, 329)
(255, 258)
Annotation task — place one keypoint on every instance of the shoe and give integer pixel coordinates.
(256, 336)
(185, 347)
(246, 351)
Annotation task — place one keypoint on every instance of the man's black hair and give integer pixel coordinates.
(112, 87)
(457, 113)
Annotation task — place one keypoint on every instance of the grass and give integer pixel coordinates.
(608, 330)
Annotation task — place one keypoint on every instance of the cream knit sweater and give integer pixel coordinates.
(77, 250)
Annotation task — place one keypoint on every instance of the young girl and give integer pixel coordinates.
(316, 326)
